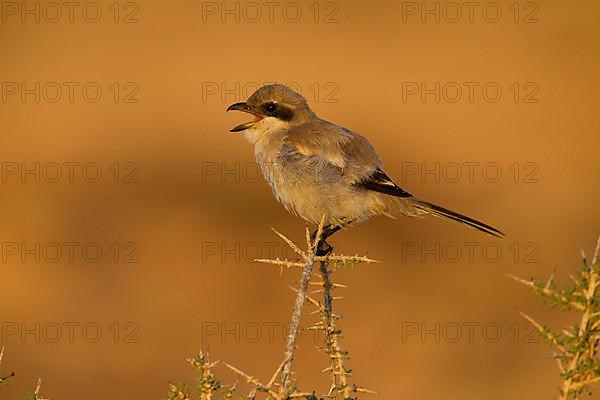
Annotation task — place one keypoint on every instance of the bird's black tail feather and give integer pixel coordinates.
(449, 214)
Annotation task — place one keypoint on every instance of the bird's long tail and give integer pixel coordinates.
(442, 212)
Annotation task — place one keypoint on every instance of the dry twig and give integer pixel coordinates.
(284, 388)
(577, 347)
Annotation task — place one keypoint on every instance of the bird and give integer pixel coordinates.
(323, 172)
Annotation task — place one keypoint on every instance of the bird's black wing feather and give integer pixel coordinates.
(378, 181)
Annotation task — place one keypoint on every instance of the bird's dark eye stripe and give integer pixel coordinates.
(284, 113)
(278, 111)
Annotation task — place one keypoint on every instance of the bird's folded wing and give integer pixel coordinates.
(335, 146)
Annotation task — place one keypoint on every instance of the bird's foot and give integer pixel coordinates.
(323, 249)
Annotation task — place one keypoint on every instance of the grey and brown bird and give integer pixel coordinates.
(318, 169)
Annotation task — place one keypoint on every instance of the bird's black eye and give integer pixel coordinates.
(270, 107)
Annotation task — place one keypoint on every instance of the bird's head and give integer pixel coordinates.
(273, 107)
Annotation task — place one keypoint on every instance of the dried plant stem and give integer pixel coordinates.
(4, 378)
(338, 373)
(582, 333)
(577, 346)
(281, 386)
(292, 338)
(327, 285)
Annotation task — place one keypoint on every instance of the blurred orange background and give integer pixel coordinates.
(179, 213)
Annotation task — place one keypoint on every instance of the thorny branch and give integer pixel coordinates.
(290, 346)
(577, 346)
(281, 385)
(4, 378)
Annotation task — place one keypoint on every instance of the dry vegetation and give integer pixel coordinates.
(34, 395)
(575, 348)
(282, 385)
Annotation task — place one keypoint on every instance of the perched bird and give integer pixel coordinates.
(319, 169)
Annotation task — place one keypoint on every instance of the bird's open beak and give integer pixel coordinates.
(244, 107)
